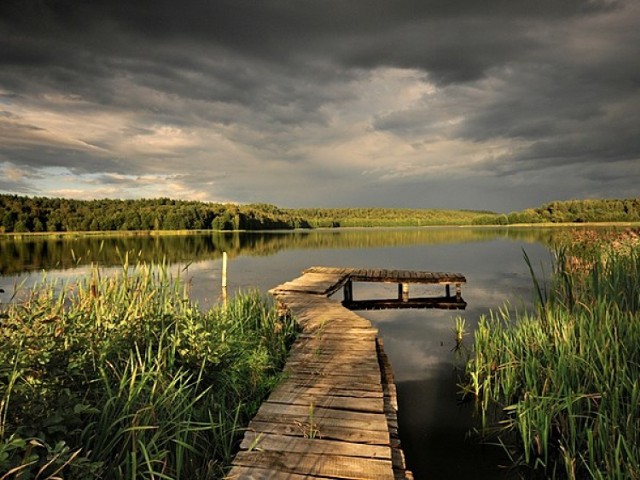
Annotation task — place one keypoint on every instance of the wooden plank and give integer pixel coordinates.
(373, 405)
(317, 413)
(317, 381)
(292, 387)
(339, 378)
(344, 318)
(329, 270)
(339, 366)
(328, 431)
(370, 372)
(320, 325)
(308, 426)
(334, 366)
(333, 347)
(407, 276)
(328, 370)
(318, 283)
(337, 333)
(334, 342)
(253, 473)
(292, 444)
(327, 352)
(323, 326)
(332, 337)
(334, 466)
(330, 313)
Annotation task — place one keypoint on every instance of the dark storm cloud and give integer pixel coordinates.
(450, 40)
(453, 41)
(570, 96)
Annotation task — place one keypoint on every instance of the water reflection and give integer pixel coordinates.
(36, 253)
(418, 342)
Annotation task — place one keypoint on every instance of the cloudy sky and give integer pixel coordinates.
(496, 104)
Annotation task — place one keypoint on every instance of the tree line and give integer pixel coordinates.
(387, 217)
(43, 214)
(570, 211)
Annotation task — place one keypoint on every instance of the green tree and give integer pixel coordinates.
(20, 226)
(38, 226)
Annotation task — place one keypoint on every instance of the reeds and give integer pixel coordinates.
(124, 377)
(560, 386)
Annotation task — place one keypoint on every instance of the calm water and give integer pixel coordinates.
(433, 427)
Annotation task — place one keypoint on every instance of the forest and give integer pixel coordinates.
(23, 214)
(41, 214)
(571, 211)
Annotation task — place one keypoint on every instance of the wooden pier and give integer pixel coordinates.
(334, 415)
(403, 278)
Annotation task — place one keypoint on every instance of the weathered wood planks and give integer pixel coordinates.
(313, 283)
(312, 464)
(318, 446)
(391, 276)
(403, 278)
(334, 414)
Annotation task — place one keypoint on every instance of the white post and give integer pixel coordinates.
(224, 278)
(405, 292)
(224, 270)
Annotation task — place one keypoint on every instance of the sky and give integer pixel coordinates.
(494, 105)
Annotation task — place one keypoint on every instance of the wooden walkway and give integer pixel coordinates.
(334, 415)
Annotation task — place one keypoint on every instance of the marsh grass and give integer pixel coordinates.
(459, 332)
(125, 377)
(560, 386)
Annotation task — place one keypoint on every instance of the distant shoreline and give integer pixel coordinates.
(162, 233)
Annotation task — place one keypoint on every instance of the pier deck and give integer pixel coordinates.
(334, 415)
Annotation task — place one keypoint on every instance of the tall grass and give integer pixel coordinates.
(560, 386)
(125, 377)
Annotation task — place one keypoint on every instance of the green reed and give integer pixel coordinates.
(125, 377)
(560, 386)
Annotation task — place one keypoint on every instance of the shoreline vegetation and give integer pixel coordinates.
(21, 215)
(558, 387)
(164, 233)
(125, 377)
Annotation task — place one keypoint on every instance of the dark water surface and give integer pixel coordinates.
(419, 343)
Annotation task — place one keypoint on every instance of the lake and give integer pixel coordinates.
(433, 427)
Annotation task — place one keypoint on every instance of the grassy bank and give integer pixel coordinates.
(560, 386)
(124, 377)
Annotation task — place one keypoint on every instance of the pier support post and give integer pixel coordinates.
(403, 292)
(348, 291)
(447, 289)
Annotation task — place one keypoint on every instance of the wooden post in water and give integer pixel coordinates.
(224, 278)
(348, 291)
(403, 292)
